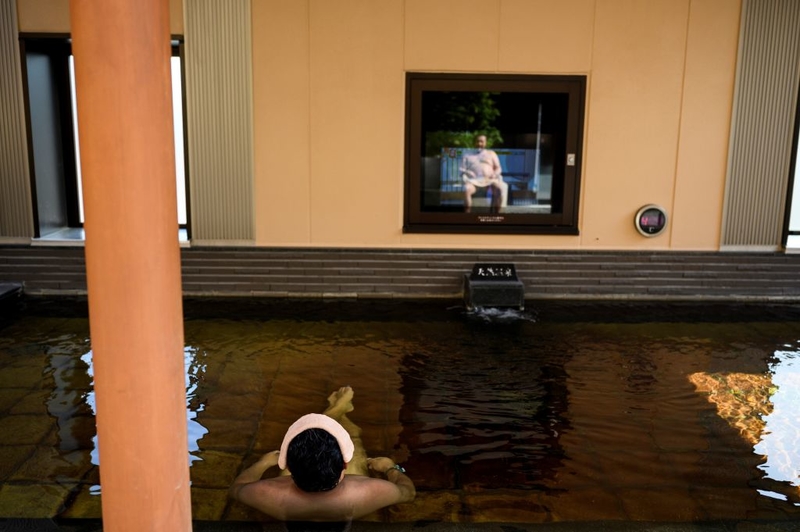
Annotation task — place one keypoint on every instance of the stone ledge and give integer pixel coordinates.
(414, 274)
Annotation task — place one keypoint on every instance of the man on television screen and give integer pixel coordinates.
(482, 169)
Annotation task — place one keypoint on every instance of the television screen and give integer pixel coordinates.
(498, 150)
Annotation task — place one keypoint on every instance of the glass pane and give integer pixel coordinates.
(794, 219)
(794, 214)
(74, 101)
(177, 119)
(492, 151)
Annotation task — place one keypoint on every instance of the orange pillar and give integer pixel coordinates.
(123, 84)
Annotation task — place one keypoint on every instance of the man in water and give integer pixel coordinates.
(325, 471)
(480, 170)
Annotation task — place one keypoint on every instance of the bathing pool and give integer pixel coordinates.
(567, 412)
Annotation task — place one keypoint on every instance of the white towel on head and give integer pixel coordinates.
(317, 421)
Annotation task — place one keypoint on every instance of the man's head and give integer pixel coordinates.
(315, 460)
(480, 142)
(316, 450)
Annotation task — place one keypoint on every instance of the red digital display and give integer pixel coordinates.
(650, 220)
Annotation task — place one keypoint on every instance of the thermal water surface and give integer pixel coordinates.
(576, 412)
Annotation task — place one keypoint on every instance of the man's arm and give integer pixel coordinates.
(248, 488)
(497, 169)
(465, 169)
(405, 487)
(253, 473)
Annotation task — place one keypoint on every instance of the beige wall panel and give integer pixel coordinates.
(43, 16)
(52, 16)
(452, 35)
(281, 122)
(543, 36)
(329, 100)
(357, 121)
(705, 124)
(176, 17)
(634, 109)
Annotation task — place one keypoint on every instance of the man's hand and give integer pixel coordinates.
(269, 460)
(406, 491)
(380, 464)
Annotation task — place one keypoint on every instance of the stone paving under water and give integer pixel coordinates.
(564, 415)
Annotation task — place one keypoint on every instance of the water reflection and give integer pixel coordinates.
(484, 411)
(74, 420)
(765, 409)
(73, 398)
(88, 398)
(568, 414)
(195, 365)
(781, 433)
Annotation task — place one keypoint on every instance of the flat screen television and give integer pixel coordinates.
(493, 153)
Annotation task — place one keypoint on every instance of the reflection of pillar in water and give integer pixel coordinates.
(75, 422)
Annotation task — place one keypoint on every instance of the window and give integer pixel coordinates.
(49, 80)
(791, 233)
(493, 153)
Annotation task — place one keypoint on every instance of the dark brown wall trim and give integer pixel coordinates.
(419, 274)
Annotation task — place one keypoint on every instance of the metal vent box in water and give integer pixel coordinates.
(493, 285)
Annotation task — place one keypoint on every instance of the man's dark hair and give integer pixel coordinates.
(315, 460)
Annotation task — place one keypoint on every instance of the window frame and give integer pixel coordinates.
(791, 233)
(58, 47)
(563, 220)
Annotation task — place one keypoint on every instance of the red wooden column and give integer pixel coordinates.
(122, 68)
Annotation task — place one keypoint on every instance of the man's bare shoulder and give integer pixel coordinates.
(274, 483)
(267, 495)
(363, 486)
(367, 494)
(355, 497)
(268, 485)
